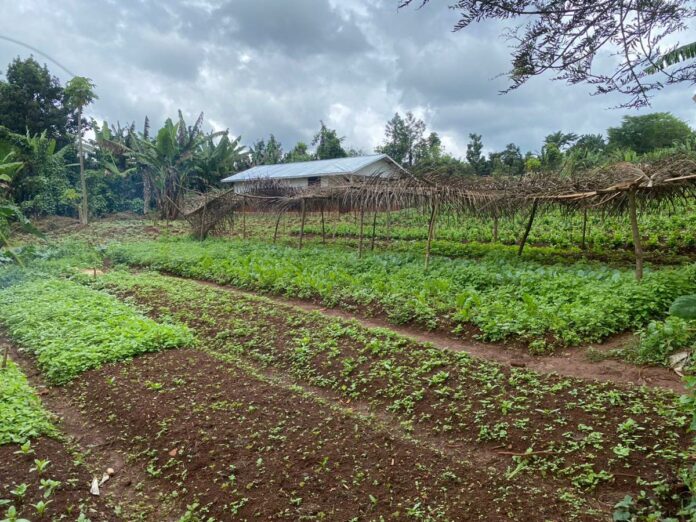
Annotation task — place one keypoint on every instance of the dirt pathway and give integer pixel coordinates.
(570, 362)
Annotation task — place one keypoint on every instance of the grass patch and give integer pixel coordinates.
(71, 328)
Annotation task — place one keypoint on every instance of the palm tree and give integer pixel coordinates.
(80, 92)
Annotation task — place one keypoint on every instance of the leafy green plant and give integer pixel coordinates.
(71, 328)
(22, 415)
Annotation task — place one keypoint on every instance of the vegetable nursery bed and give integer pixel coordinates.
(238, 448)
(24, 487)
(592, 443)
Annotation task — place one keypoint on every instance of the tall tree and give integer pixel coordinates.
(566, 37)
(474, 154)
(562, 140)
(300, 152)
(511, 161)
(649, 132)
(403, 138)
(32, 100)
(328, 144)
(270, 153)
(79, 92)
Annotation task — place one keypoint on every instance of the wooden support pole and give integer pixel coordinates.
(362, 228)
(495, 227)
(374, 230)
(388, 220)
(638, 247)
(584, 229)
(323, 226)
(304, 213)
(244, 218)
(275, 232)
(529, 227)
(431, 232)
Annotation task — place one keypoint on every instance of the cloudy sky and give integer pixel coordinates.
(280, 66)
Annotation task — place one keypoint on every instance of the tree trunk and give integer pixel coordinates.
(304, 213)
(84, 205)
(431, 233)
(147, 194)
(529, 227)
(638, 247)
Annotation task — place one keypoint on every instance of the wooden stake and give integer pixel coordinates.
(244, 218)
(374, 226)
(638, 247)
(323, 228)
(362, 228)
(495, 227)
(584, 228)
(529, 227)
(303, 223)
(431, 233)
(275, 233)
(389, 220)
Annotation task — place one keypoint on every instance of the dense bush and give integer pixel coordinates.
(71, 328)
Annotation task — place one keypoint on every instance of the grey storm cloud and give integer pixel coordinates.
(278, 66)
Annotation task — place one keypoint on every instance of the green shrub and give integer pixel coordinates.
(71, 328)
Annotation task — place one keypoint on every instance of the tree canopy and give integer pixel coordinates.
(565, 39)
(649, 132)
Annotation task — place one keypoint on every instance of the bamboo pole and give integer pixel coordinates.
(638, 247)
(362, 228)
(304, 213)
(388, 219)
(529, 227)
(431, 232)
(244, 218)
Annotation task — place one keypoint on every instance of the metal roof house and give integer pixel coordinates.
(317, 173)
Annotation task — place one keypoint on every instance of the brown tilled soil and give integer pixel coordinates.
(70, 498)
(251, 450)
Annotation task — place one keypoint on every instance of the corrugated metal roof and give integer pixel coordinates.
(303, 169)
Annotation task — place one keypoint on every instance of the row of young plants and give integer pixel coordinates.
(22, 416)
(593, 437)
(71, 328)
(500, 298)
(670, 229)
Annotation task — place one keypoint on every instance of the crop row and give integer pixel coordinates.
(21, 414)
(591, 435)
(501, 298)
(71, 328)
(673, 230)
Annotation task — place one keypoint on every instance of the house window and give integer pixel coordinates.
(314, 181)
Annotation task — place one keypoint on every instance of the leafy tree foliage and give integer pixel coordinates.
(403, 139)
(564, 38)
(474, 155)
(33, 101)
(300, 152)
(270, 153)
(649, 132)
(562, 140)
(328, 144)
